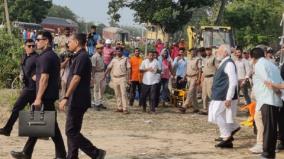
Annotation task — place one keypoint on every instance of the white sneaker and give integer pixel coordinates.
(256, 149)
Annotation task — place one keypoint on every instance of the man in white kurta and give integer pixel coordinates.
(223, 107)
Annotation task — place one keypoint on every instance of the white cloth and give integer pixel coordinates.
(218, 113)
(243, 68)
(264, 70)
(151, 78)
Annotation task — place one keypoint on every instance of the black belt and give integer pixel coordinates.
(191, 75)
(208, 76)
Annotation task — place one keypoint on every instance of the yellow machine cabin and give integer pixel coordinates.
(209, 36)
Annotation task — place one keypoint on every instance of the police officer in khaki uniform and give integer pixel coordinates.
(97, 76)
(209, 69)
(193, 74)
(119, 69)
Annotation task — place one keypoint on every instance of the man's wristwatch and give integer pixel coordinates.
(66, 97)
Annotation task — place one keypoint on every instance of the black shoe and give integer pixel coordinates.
(182, 110)
(235, 131)
(280, 146)
(101, 154)
(225, 144)
(5, 132)
(60, 158)
(19, 155)
(219, 139)
(102, 106)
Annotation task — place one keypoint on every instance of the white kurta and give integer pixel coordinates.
(218, 113)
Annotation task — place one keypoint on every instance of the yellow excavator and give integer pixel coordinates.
(210, 36)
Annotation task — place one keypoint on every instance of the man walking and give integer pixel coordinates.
(193, 74)
(47, 92)
(78, 100)
(223, 107)
(209, 70)
(135, 76)
(243, 71)
(119, 68)
(268, 100)
(28, 93)
(98, 75)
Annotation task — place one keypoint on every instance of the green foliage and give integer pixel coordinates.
(62, 12)
(170, 15)
(255, 21)
(27, 11)
(10, 54)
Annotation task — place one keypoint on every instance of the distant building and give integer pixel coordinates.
(55, 24)
(155, 32)
(25, 25)
(116, 34)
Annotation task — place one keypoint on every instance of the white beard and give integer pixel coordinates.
(220, 58)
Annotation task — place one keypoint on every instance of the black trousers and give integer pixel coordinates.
(134, 85)
(26, 97)
(151, 91)
(180, 85)
(57, 139)
(75, 139)
(270, 116)
(281, 124)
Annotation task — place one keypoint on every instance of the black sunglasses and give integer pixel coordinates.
(31, 46)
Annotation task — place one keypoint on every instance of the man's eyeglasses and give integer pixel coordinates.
(31, 46)
(40, 39)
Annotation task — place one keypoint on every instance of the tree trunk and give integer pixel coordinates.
(221, 12)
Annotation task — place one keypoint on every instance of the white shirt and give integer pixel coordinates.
(243, 68)
(230, 70)
(150, 78)
(266, 71)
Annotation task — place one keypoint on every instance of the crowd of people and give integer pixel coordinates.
(87, 64)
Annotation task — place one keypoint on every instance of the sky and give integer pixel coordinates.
(96, 11)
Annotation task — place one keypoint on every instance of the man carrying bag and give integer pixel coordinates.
(47, 88)
(78, 100)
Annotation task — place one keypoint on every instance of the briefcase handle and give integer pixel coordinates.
(32, 109)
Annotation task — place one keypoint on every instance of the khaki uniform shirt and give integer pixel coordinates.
(62, 41)
(119, 67)
(209, 65)
(193, 67)
(98, 62)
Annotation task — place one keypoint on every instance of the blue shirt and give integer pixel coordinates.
(266, 71)
(180, 67)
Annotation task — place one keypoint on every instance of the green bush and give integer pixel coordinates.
(11, 49)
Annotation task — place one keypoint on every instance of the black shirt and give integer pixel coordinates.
(48, 62)
(28, 65)
(80, 65)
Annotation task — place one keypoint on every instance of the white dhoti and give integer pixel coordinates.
(224, 117)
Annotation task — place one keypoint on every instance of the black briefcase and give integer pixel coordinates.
(37, 123)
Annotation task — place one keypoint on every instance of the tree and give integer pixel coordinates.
(27, 11)
(255, 21)
(62, 12)
(11, 50)
(170, 15)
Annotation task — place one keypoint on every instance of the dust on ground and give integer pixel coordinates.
(167, 135)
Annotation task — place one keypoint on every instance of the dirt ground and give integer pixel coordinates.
(166, 135)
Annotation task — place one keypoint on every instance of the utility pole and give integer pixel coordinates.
(7, 17)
